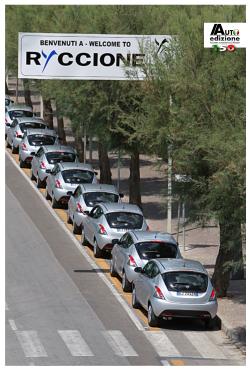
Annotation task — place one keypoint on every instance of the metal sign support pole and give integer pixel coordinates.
(169, 222)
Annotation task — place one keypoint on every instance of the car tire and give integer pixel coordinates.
(83, 239)
(153, 320)
(14, 149)
(54, 203)
(126, 285)
(47, 195)
(76, 229)
(97, 250)
(209, 323)
(135, 303)
(113, 273)
(7, 144)
(22, 164)
(32, 177)
(69, 220)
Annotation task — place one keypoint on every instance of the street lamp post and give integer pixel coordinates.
(169, 221)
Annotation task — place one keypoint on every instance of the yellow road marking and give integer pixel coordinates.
(177, 362)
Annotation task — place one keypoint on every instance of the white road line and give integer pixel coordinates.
(75, 343)
(119, 343)
(31, 344)
(204, 345)
(123, 303)
(162, 344)
(12, 325)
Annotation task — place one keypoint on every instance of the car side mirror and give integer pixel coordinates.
(138, 269)
(48, 171)
(121, 195)
(115, 241)
(87, 213)
(96, 173)
(33, 153)
(70, 193)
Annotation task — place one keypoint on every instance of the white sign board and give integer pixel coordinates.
(85, 57)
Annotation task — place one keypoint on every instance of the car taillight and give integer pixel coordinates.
(58, 184)
(79, 208)
(158, 293)
(18, 134)
(24, 147)
(102, 230)
(213, 295)
(131, 261)
(42, 165)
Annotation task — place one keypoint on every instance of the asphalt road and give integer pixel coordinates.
(60, 312)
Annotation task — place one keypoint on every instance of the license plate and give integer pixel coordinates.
(187, 294)
(122, 230)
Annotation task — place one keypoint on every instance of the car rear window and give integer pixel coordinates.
(20, 113)
(41, 140)
(77, 176)
(185, 281)
(124, 220)
(156, 249)
(60, 156)
(92, 198)
(33, 125)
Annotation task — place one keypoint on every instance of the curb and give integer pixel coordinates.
(236, 335)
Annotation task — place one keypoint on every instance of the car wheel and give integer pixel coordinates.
(7, 144)
(126, 286)
(55, 203)
(153, 320)
(83, 239)
(76, 229)
(97, 250)
(32, 177)
(69, 220)
(22, 164)
(47, 195)
(209, 323)
(112, 268)
(14, 149)
(135, 303)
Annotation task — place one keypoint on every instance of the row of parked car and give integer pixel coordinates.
(149, 262)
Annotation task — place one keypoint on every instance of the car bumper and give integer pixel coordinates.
(25, 156)
(105, 241)
(16, 142)
(163, 308)
(61, 195)
(79, 218)
(130, 273)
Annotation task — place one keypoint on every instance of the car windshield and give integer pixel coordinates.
(77, 176)
(33, 125)
(41, 140)
(60, 156)
(124, 220)
(20, 113)
(92, 198)
(185, 281)
(156, 249)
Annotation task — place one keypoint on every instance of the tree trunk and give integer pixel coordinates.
(61, 131)
(27, 95)
(229, 262)
(105, 172)
(48, 113)
(79, 145)
(6, 88)
(134, 179)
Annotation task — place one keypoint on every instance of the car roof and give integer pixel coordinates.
(19, 106)
(63, 148)
(92, 187)
(144, 236)
(33, 119)
(49, 132)
(74, 165)
(120, 207)
(173, 264)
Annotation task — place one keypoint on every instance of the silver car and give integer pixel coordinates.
(32, 140)
(46, 157)
(108, 221)
(16, 110)
(135, 249)
(172, 288)
(17, 129)
(85, 197)
(64, 178)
